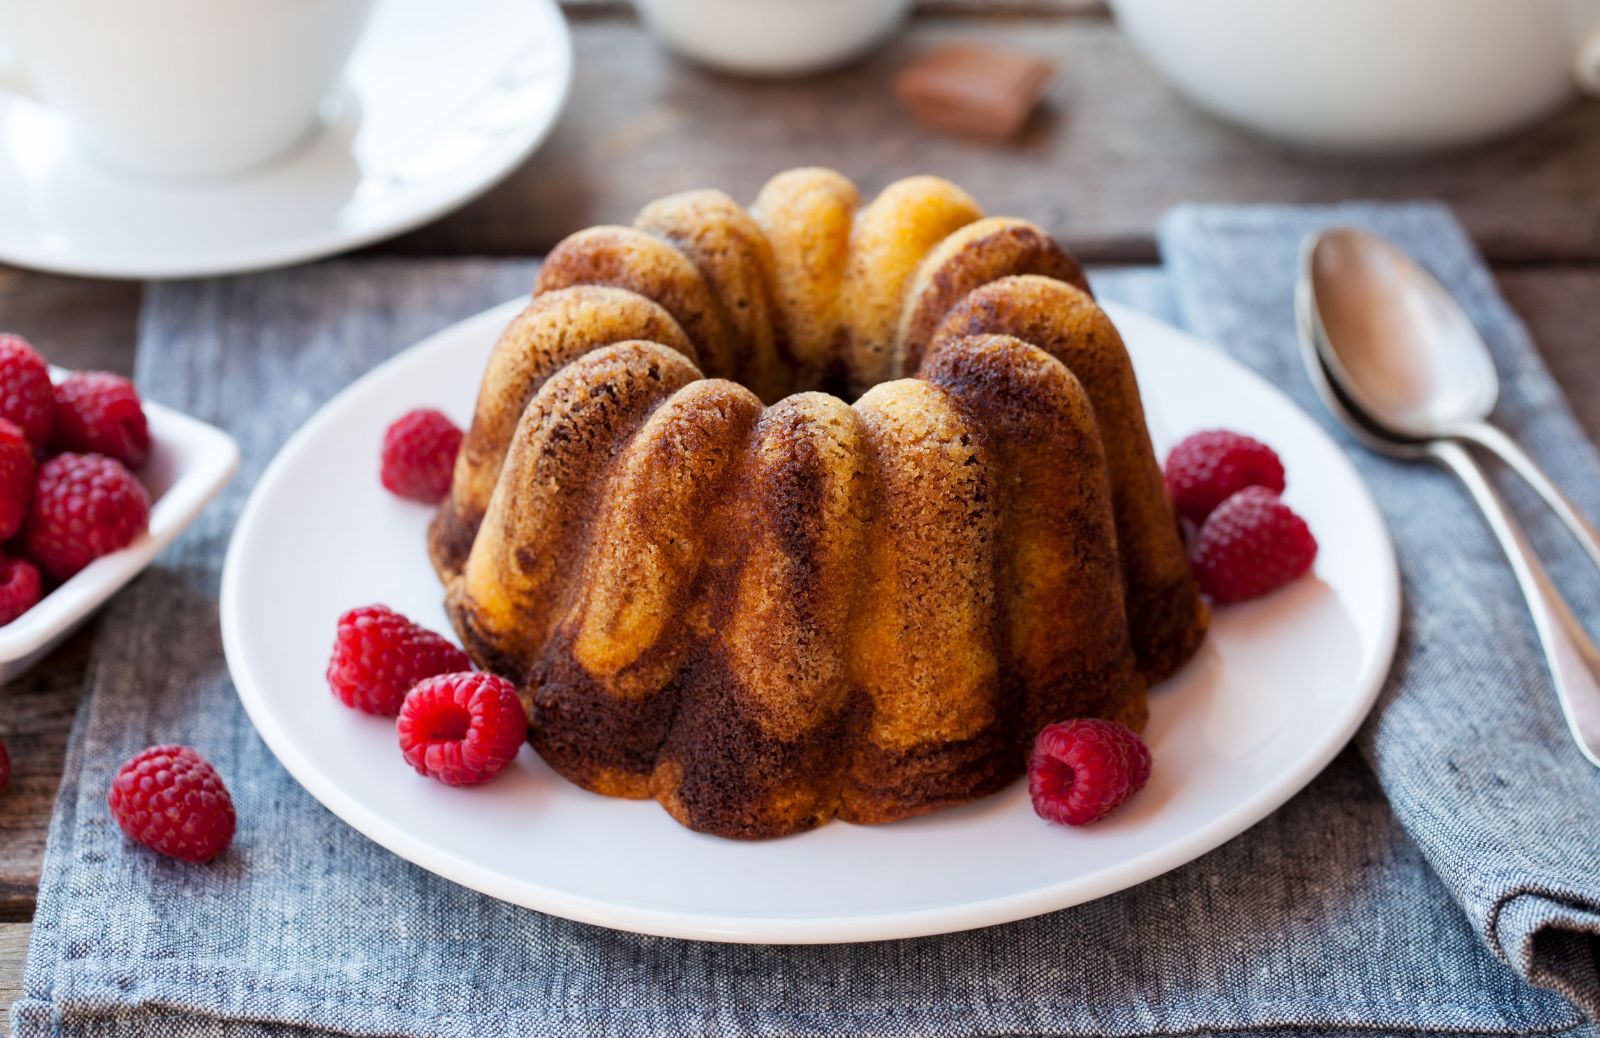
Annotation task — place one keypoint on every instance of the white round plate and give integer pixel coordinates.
(440, 102)
(1278, 688)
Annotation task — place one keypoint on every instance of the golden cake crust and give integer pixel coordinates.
(891, 237)
(1165, 614)
(629, 258)
(807, 215)
(727, 245)
(982, 251)
(765, 616)
(555, 329)
(518, 575)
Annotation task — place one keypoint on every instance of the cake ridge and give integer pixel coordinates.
(766, 607)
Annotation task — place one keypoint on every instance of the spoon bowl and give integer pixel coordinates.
(1395, 340)
(1329, 388)
(1400, 358)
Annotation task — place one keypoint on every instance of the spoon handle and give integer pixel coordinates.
(1574, 660)
(1509, 451)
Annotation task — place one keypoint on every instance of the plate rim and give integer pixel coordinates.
(744, 929)
(332, 241)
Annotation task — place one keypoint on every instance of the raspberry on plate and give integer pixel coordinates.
(172, 800)
(1209, 467)
(378, 655)
(26, 395)
(419, 455)
(1252, 544)
(19, 587)
(462, 729)
(1083, 770)
(101, 412)
(16, 478)
(84, 506)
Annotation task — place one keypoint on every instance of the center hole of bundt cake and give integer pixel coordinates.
(835, 372)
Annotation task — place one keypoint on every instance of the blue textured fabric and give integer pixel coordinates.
(1467, 740)
(1337, 915)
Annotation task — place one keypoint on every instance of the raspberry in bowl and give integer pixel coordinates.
(123, 477)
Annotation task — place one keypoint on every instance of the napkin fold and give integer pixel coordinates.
(1339, 914)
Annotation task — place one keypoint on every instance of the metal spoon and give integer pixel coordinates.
(1409, 357)
(1363, 306)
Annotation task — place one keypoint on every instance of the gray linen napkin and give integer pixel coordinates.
(1325, 918)
(1467, 741)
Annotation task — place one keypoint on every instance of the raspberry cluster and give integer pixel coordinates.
(1248, 542)
(67, 492)
(456, 725)
(453, 724)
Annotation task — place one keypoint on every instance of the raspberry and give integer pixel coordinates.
(100, 412)
(1209, 467)
(1253, 543)
(172, 800)
(16, 478)
(1083, 770)
(379, 654)
(19, 588)
(419, 455)
(26, 396)
(84, 506)
(462, 729)
(5, 767)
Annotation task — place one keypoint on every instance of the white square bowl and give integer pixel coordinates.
(189, 463)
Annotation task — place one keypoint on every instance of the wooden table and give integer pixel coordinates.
(1112, 149)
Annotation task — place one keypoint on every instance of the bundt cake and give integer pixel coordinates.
(726, 588)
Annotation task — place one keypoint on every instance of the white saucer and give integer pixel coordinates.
(442, 100)
(1278, 688)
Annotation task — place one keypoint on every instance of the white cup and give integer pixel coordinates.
(182, 87)
(1372, 75)
(772, 37)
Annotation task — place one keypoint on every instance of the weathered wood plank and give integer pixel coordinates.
(35, 717)
(1111, 151)
(1562, 310)
(75, 322)
(13, 951)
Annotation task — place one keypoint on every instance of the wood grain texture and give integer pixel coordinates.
(1561, 307)
(1112, 149)
(75, 322)
(13, 951)
(35, 718)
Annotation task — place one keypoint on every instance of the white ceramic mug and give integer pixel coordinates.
(1372, 75)
(182, 87)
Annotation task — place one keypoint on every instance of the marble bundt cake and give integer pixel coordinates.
(726, 588)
